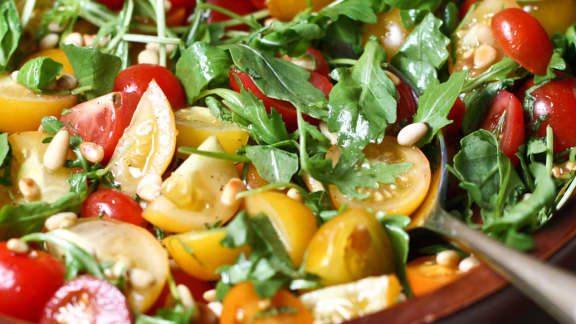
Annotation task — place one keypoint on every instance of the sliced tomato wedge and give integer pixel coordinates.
(113, 204)
(87, 300)
(506, 119)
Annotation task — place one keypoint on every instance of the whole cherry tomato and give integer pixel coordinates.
(27, 282)
(133, 82)
(113, 204)
(285, 108)
(466, 6)
(506, 119)
(555, 105)
(87, 300)
(523, 38)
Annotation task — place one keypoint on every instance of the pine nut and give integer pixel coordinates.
(231, 189)
(167, 5)
(395, 79)
(60, 221)
(92, 152)
(74, 39)
(170, 48)
(295, 194)
(33, 254)
(67, 82)
(559, 172)
(148, 57)
(185, 296)
(56, 27)
(17, 245)
(412, 133)
(49, 41)
(210, 295)
(448, 258)
(29, 189)
(313, 184)
(149, 187)
(270, 21)
(14, 76)
(120, 267)
(570, 166)
(468, 264)
(216, 308)
(55, 155)
(141, 279)
(305, 61)
(333, 137)
(484, 56)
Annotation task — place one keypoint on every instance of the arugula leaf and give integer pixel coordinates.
(202, 65)
(395, 226)
(51, 125)
(39, 73)
(477, 104)
(414, 4)
(274, 165)
(557, 63)
(359, 10)
(436, 102)
(10, 32)
(95, 70)
(500, 71)
(5, 160)
(291, 37)
(280, 79)
(424, 51)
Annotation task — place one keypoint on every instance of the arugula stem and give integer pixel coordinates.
(237, 17)
(550, 151)
(221, 156)
(258, 15)
(566, 196)
(343, 61)
(137, 38)
(27, 12)
(153, 29)
(161, 25)
(271, 186)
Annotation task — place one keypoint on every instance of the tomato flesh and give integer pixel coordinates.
(321, 64)
(87, 300)
(27, 282)
(465, 7)
(506, 119)
(113, 4)
(240, 7)
(456, 115)
(425, 275)
(523, 38)
(196, 286)
(113, 204)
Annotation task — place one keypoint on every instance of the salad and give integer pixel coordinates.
(266, 161)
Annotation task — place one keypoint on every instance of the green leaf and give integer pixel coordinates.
(477, 104)
(10, 32)
(51, 125)
(273, 164)
(4, 149)
(94, 70)
(395, 226)
(436, 102)
(359, 10)
(39, 73)
(202, 65)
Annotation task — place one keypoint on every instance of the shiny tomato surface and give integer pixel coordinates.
(113, 204)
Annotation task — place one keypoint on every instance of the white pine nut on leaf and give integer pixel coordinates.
(412, 133)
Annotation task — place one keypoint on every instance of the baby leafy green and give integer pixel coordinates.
(10, 32)
(39, 73)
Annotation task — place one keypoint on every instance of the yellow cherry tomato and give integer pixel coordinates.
(554, 15)
(425, 275)
(200, 253)
(288, 9)
(57, 55)
(390, 31)
(293, 221)
(22, 109)
(149, 142)
(351, 246)
(402, 197)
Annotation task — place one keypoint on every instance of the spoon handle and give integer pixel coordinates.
(552, 288)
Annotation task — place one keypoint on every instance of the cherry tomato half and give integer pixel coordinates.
(259, 4)
(133, 82)
(523, 38)
(321, 64)
(506, 119)
(27, 282)
(242, 304)
(456, 115)
(285, 108)
(87, 300)
(240, 7)
(113, 204)
(425, 275)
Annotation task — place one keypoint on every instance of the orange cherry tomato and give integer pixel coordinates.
(425, 275)
(253, 178)
(288, 9)
(243, 305)
(390, 31)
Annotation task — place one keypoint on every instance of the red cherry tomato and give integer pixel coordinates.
(456, 115)
(176, 16)
(27, 283)
(321, 64)
(259, 4)
(87, 300)
(523, 38)
(407, 105)
(240, 7)
(465, 7)
(286, 109)
(197, 288)
(190, 4)
(98, 120)
(112, 4)
(506, 119)
(133, 82)
(113, 204)
(556, 105)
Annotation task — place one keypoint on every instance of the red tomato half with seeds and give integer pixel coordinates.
(506, 119)
(87, 300)
(113, 204)
(523, 38)
(27, 283)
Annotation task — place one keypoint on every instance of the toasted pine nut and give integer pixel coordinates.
(210, 295)
(67, 82)
(559, 172)
(148, 57)
(60, 221)
(49, 41)
(55, 155)
(14, 76)
(305, 61)
(74, 39)
(295, 194)
(448, 258)
(412, 133)
(56, 27)
(313, 184)
(17, 245)
(141, 279)
(468, 264)
(93, 152)
(149, 187)
(484, 56)
(29, 189)
(333, 137)
(231, 189)
(394, 78)
(170, 48)
(185, 296)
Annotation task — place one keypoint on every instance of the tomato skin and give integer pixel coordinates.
(407, 105)
(133, 82)
(197, 288)
(259, 4)
(113, 4)
(113, 204)
(523, 38)
(285, 108)
(321, 64)
(190, 4)
(89, 300)
(27, 282)
(512, 134)
(557, 100)
(465, 7)
(456, 115)
(240, 7)
(176, 17)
